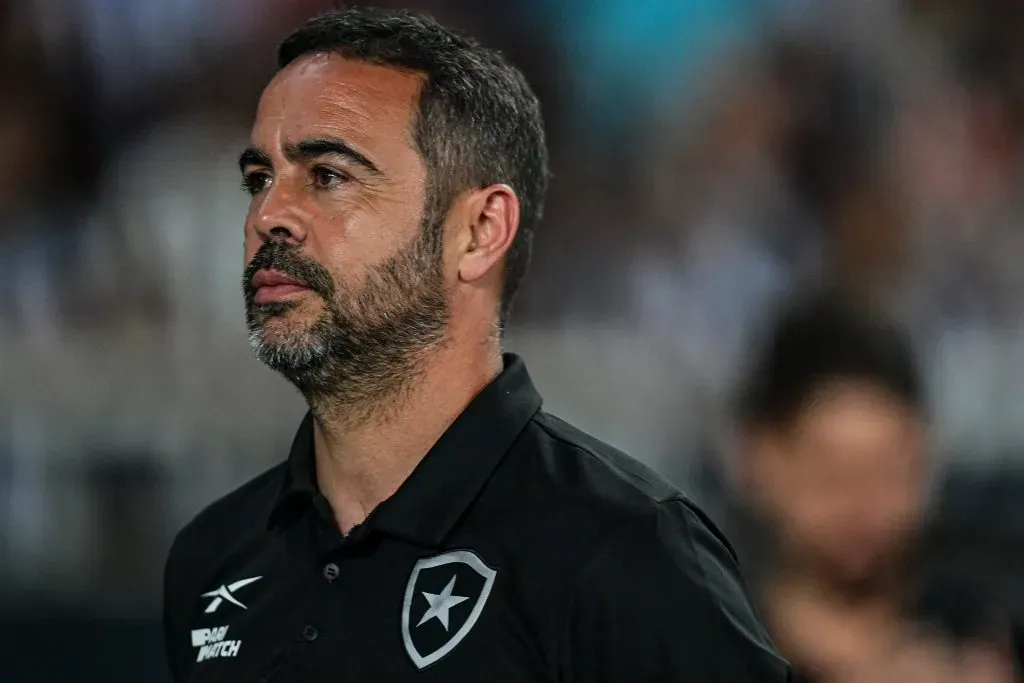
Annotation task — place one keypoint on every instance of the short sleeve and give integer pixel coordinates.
(663, 601)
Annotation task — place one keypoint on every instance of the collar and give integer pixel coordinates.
(434, 497)
(299, 483)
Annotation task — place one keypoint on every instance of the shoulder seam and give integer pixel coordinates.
(691, 517)
(590, 453)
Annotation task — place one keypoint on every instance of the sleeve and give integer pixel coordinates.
(663, 601)
(175, 617)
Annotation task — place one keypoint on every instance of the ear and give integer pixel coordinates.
(492, 220)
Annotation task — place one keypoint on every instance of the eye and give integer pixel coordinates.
(326, 178)
(255, 182)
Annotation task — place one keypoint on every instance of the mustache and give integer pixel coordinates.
(286, 259)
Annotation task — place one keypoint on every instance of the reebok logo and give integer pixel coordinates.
(212, 645)
(226, 593)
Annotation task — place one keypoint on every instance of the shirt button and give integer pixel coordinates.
(331, 571)
(310, 633)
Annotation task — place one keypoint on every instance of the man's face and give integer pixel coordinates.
(845, 482)
(344, 284)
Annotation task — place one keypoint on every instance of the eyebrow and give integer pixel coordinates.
(253, 156)
(307, 150)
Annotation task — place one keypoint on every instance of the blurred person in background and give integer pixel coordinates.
(38, 233)
(772, 182)
(959, 151)
(397, 172)
(835, 465)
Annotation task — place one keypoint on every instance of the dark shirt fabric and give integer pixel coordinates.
(519, 549)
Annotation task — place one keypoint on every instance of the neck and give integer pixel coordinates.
(365, 453)
(881, 592)
(826, 631)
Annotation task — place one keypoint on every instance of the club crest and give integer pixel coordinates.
(443, 601)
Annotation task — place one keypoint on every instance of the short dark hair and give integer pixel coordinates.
(824, 339)
(478, 122)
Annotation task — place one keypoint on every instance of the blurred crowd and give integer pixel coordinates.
(713, 160)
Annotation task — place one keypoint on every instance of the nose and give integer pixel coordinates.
(281, 216)
(283, 233)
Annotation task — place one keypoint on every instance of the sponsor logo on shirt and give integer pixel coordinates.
(212, 643)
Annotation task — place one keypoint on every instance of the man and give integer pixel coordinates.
(835, 464)
(431, 522)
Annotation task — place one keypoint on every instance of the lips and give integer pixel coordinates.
(273, 285)
(273, 278)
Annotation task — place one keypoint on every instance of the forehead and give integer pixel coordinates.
(855, 420)
(367, 105)
(855, 403)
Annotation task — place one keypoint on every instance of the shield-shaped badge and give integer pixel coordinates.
(443, 601)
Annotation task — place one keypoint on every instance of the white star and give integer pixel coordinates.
(440, 604)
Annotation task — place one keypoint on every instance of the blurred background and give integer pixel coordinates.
(712, 159)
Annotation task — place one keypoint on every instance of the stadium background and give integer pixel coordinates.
(711, 157)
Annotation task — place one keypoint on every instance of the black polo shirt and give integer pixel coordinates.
(520, 549)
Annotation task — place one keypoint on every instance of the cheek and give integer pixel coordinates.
(811, 512)
(351, 244)
(337, 250)
(251, 244)
(810, 500)
(900, 505)
(251, 240)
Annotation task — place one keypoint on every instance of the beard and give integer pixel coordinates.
(367, 344)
